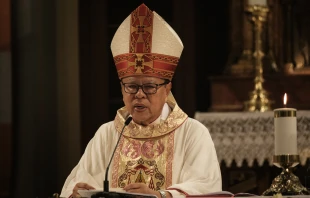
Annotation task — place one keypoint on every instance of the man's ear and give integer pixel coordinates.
(168, 88)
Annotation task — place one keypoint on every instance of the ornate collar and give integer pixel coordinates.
(133, 130)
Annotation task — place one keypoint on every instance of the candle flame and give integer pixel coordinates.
(285, 99)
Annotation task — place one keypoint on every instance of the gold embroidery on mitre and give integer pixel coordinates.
(144, 161)
(140, 62)
(141, 29)
(139, 65)
(136, 63)
(173, 121)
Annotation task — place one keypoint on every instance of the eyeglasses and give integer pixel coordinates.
(148, 88)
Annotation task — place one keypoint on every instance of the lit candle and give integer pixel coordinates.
(258, 2)
(285, 126)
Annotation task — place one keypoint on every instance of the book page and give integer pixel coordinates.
(222, 194)
(214, 194)
(122, 193)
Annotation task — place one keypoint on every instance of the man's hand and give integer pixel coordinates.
(80, 186)
(142, 188)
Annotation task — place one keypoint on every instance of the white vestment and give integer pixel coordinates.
(195, 167)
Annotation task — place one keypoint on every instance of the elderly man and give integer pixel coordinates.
(161, 151)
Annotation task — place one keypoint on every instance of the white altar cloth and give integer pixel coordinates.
(250, 135)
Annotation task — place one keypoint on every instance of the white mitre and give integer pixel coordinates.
(145, 44)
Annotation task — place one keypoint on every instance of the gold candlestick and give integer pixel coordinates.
(258, 97)
(286, 183)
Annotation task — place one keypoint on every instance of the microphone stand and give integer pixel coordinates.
(106, 193)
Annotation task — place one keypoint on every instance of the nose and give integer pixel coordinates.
(140, 93)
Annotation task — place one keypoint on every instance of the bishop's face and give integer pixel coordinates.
(144, 97)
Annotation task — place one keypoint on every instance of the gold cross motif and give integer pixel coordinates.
(139, 63)
(141, 29)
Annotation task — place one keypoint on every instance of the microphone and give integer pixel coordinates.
(106, 181)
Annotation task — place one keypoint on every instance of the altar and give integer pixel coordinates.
(248, 138)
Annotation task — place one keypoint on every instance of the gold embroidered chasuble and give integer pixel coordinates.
(145, 153)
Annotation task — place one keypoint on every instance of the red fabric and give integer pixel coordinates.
(150, 64)
(141, 29)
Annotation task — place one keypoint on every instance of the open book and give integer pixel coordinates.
(123, 194)
(222, 194)
(114, 192)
